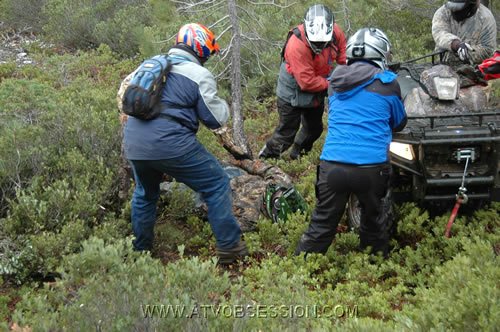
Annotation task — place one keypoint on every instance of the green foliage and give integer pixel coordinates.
(7, 70)
(464, 293)
(59, 149)
(118, 285)
(180, 202)
(124, 30)
(60, 213)
(22, 14)
(89, 23)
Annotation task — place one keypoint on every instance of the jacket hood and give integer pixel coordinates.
(345, 78)
(177, 51)
(346, 81)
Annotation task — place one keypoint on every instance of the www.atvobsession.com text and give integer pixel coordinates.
(249, 310)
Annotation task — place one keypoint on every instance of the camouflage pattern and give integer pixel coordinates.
(124, 172)
(119, 95)
(427, 77)
(479, 31)
(225, 137)
(418, 102)
(248, 187)
(247, 200)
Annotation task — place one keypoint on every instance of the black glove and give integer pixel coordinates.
(463, 51)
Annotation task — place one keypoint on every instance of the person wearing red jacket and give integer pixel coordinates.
(489, 69)
(308, 58)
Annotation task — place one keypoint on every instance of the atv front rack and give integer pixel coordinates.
(487, 127)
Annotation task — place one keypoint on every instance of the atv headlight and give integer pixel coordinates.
(402, 150)
(446, 87)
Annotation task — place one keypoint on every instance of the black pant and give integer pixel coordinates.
(289, 122)
(335, 182)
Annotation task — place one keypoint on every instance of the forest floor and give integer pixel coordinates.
(13, 46)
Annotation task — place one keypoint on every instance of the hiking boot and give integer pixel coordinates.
(229, 256)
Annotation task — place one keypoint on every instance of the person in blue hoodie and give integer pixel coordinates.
(365, 107)
(168, 145)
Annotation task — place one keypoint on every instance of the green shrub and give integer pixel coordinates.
(22, 14)
(124, 30)
(7, 70)
(90, 23)
(463, 294)
(111, 285)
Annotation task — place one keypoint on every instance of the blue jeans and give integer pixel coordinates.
(200, 171)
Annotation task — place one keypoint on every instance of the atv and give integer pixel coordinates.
(450, 146)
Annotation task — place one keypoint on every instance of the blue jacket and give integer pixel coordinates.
(365, 107)
(189, 96)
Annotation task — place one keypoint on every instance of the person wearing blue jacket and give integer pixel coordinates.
(365, 107)
(168, 145)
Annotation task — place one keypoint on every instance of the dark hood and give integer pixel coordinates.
(345, 78)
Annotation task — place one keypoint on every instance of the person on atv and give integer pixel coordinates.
(465, 28)
(307, 59)
(365, 107)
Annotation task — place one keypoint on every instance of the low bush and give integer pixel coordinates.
(89, 23)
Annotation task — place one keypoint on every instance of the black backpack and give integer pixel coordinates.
(142, 95)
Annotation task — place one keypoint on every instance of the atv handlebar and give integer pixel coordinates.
(396, 65)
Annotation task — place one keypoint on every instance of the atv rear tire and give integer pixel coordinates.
(353, 213)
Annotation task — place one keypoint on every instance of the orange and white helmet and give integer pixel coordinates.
(199, 38)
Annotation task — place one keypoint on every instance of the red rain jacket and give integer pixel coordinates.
(311, 70)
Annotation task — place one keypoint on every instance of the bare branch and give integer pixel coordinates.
(260, 65)
(225, 18)
(270, 3)
(347, 21)
(252, 16)
(194, 6)
(226, 29)
(225, 73)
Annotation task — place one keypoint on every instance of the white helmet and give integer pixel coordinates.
(318, 25)
(369, 44)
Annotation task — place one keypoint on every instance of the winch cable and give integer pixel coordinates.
(461, 198)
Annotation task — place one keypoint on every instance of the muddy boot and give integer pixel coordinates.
(229, 256)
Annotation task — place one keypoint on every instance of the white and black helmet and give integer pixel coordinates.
(369, 44)
(318, 25)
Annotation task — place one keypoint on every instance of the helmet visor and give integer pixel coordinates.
(215, 47)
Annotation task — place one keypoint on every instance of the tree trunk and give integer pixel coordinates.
(236, 95)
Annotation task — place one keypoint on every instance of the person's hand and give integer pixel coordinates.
(463, 51)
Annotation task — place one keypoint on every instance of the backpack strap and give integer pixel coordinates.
(295, 31)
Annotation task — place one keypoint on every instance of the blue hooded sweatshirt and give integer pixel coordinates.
(365, 107)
